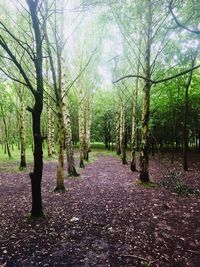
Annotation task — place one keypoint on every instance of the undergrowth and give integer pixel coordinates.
(173, 183)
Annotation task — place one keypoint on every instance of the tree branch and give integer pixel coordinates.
(30, 53)
(157, 81)
(179, 23)
(17, 64)
(11, 77)
(81, 72)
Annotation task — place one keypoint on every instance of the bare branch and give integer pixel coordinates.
(20, 42)
(157, 81)
(11, 77)
(180, 24)
(17, 64)
(81, 72)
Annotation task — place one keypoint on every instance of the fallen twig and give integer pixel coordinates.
(144, 259)
(135, 257)
(192, 251)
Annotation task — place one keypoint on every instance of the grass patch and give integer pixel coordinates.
(60, 190)
(12, 165)
(73, 177)
(148, 185)
(30, 218)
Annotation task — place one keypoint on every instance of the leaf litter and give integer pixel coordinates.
(104, 219)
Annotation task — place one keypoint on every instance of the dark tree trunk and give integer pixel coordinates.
(172, 152)
(199, 141)
(185, 130)
(152, 147)
(173, 129)
(36, 57)
(36, 175)
(6, 133)
(8, 150)
(185, 126)
(106, 135)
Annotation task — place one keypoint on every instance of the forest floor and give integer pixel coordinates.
(105, 218)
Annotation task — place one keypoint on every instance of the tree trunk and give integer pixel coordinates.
(185, 126)
(123, 131)
(68, 139)
(106, 133)
(185, 134)
(118, 148)
(134, 130)
(199, 141)
(88, 122)
(109, 134)
(36, 176)
(49, 130)
(6, 132)
(134, 134)
(144, 157)
(81, 129)
(117, 126)
(22, 130)
(61, 131)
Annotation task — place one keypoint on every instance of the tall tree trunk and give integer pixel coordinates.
(134, 129)
(69, 147)
(58, 86)
(22, 130)
(185, 126)
(50, 127)
(144, 157)
(81, 128)
(118, 148)
(109, 135)
(88, 122)
(6, 132)
(185, 132)
(61, 132)
(68, 138)
(36, 176)
(117, 126)
(199, 141)
(123, 131)
(134, 134)
(61, 127)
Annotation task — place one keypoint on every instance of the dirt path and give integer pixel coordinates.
(104, 219)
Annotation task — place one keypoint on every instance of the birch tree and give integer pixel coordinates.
(21, 93)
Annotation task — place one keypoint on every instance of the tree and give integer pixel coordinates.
(154, 29)
(3, 115)
(20, 93)
(36, 87)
